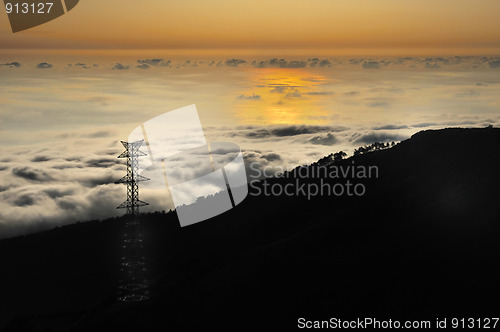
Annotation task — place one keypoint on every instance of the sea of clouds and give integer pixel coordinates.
(61, 124)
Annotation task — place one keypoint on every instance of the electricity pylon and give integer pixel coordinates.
(132, 153)
(133, 284)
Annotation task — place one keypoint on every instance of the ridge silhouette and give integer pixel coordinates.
(421, 244)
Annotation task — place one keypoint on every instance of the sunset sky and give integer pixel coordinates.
(383, 27)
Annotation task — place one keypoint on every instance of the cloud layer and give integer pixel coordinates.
(60, 132)
(370, 63)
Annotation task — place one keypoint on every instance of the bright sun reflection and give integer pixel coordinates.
(284, 96)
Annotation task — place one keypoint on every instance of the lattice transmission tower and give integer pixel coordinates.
(133, 284)
(132, 179)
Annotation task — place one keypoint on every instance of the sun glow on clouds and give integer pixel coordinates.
(283, 96)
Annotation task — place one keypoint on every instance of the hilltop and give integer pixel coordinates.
(420, 243)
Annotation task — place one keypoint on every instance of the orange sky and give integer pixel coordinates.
(462, 26)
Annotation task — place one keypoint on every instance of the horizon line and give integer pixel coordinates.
(276, 52)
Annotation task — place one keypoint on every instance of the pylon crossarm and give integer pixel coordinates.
(139, 178)
(124, 154)
(123, 205)
(126, 179)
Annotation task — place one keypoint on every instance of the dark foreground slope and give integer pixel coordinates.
(422, 243)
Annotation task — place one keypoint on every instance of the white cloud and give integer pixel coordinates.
(61, 132)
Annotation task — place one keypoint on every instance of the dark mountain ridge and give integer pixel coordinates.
(421, 243)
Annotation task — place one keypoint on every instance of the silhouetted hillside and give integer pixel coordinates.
(421, 243)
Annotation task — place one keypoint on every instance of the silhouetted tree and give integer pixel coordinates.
(339, 155)
(325, 161)
(372, 147)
